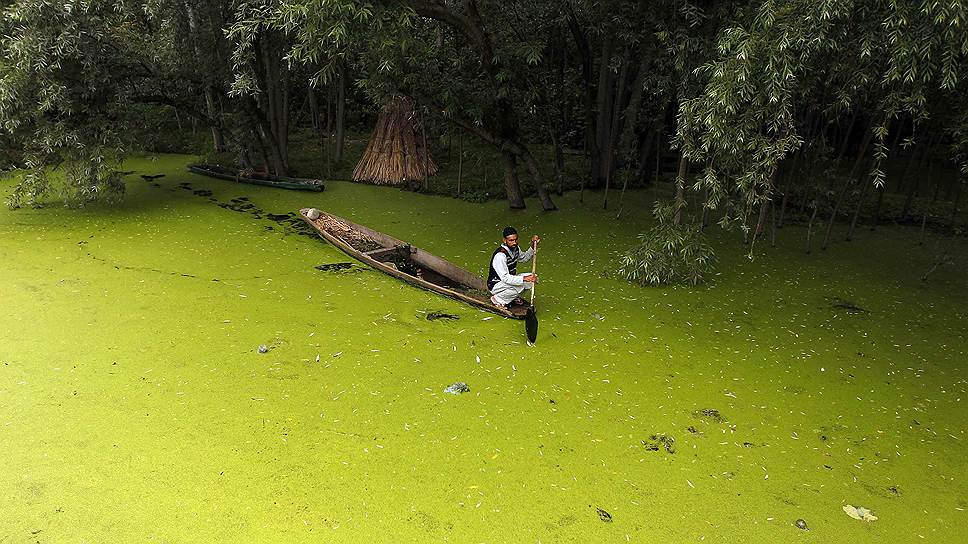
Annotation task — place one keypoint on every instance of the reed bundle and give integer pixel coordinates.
(397, 152)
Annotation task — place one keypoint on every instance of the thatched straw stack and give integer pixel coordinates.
(397, 152)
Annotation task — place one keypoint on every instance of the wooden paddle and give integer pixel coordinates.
(531, 320)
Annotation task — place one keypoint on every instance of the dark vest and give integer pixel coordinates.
(513, 256)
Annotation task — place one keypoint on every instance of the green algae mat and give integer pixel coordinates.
(136, 406)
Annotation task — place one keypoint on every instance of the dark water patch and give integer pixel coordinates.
(151, 177)
(202, 192)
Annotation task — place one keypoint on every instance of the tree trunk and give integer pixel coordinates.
(602, 110)
(426, 152)
(877, 209)
(341, 113)
(954, 207)
(860, 204)
(532, 166)
(512, 186)
(787, 183)
(460, 160)
(645, 151)
(924, 221)
(680, 201)
(314, 111)
(810, 227)
(587, 69)
(869, 134)
(850, 128)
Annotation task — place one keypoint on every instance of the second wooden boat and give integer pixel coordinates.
(406, 262)
(257, 178)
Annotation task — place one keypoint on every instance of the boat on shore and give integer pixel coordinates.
(406, 262)
(257, 178)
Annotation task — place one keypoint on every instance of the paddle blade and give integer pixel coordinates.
(531, 325)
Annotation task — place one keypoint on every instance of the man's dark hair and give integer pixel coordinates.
(508, 231)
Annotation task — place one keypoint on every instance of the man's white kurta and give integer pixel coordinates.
(510, 285)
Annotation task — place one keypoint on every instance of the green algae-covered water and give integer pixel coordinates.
(135, 405)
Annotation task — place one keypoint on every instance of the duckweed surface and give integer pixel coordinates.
(135, 405)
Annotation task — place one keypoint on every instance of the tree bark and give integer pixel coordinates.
(810, 227)
(850, 180)
(602, 111)
(512, 186)
(860, 204)
(460, 160)
(877, 208)
(680, 201)
(341, 114)
(954, 207)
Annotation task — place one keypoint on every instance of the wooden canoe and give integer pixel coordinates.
(257, 178)
(406, 262)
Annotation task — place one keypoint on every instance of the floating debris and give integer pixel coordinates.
(434, 316)
(848, 306)
(263, 348)
(859, 512)
(604, 516)
(334, 267)
(801, 525)
(709, 414)
(457, 388)
(660, 440)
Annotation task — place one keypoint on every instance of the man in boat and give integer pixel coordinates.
(503, 280)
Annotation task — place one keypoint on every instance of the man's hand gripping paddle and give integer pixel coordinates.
(531, 320)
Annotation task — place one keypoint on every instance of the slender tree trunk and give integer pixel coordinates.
(772, 226)
(512, 186)
(810, 227)
(783, 205)
(766, 205)
(915, 174)
(426, 152)
(314, 111)
(877, 208)
(603, 110)
(460, 160)
(559, 157)
(860, 204)
(532, 166)
(850, 179)
(924, 221)
(641, 174)
(847, 133)
(765, 208)
(680, 202)
(584, 49)
(705, 209)
(341, 113)
(954, 207)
